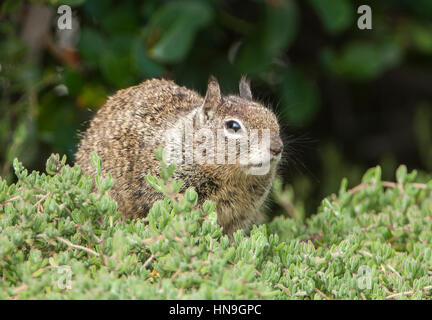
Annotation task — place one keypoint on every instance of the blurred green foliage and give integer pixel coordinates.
(363, 95)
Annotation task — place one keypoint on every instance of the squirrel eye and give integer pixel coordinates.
(233, 125)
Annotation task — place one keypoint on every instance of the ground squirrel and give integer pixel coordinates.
(131, 125)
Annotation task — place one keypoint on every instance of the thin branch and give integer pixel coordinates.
(387, 184)
(407, 293)
(148, 240)
(42, 198)
(70, 244)
(14, 198)
(284, 289)
(365, 253)
(322, 294)
(175, 275)
(149, 260)
(394, 270)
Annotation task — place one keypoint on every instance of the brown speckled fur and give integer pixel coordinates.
(128, 128)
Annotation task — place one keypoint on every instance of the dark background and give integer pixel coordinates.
(348, 99)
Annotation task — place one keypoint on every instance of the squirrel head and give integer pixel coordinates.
(241, 118)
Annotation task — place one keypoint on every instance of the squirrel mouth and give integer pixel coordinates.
(258, 165)
(272, 160)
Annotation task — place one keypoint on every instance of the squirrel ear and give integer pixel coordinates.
(213, 96)
(244, 88)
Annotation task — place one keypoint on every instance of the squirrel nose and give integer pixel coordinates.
(276, 145)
